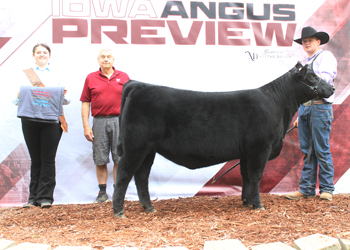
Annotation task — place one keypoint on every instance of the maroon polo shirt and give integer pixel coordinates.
(103, 93)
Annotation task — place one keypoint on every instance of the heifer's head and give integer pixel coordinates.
(306, 76)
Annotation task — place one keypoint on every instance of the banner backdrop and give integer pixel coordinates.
(197, 45)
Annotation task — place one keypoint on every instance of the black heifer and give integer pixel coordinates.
(200, 129)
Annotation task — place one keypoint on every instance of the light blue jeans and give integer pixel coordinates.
(321, 155)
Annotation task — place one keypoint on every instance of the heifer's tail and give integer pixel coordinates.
(126, 90)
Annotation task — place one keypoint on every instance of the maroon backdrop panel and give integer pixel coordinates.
(13, 168)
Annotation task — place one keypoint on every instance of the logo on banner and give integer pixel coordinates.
(267, 54)
(252, 56)
(180, 22)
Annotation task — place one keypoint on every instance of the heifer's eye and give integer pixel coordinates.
(317, 77)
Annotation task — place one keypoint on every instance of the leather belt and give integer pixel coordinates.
(316, 102)
(105, 116)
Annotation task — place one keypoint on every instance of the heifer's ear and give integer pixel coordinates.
(296, 68)
(299, 65)
(302, 72)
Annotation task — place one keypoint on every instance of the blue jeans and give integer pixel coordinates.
(320, 155)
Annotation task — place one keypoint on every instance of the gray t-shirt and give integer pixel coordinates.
(41, 103)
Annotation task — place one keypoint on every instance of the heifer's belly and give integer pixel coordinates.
(194, 160)
(276, 148)
(208, 151)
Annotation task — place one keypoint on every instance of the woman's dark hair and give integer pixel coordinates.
(42, 45)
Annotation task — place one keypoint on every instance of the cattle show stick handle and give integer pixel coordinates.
(291, 129)
(214, 180)
(226, 172)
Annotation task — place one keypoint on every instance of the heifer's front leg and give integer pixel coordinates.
(255, 169)
(141, 180)
(122, 182)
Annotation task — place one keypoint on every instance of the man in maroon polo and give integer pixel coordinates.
(102, 94)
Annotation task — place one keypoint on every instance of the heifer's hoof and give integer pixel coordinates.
(150, 210)
(260, 206)
(120, 215)
(247, 204)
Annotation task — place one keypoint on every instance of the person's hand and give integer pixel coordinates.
(64, 92)
(296, 123)
(88, 134)
(18, 94)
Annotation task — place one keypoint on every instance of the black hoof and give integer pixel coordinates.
(261, 207)
(247, 203)
(119, 215)
(150, 210)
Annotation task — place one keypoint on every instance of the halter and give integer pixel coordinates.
(313, 88)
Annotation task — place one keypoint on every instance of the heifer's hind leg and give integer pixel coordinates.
(245, 184)
(141, 180)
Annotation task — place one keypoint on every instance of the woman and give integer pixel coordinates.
(42, 137)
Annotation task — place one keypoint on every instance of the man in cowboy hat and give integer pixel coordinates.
(314, 121)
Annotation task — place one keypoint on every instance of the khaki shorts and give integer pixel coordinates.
(106, 131)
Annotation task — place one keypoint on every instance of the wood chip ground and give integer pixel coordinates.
(185, 222)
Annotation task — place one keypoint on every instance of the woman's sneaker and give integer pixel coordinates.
(46, 205)
(29, 204)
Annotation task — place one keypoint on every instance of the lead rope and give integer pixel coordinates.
(311, 119)
(311, 141)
